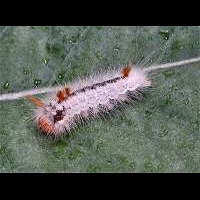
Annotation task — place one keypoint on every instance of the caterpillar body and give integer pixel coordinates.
(101, 94)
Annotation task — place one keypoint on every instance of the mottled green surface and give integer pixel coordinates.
(161, 133)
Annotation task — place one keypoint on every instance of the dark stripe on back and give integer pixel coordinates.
(96, 85)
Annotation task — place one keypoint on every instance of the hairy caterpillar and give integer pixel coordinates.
(95, 97)
(90, 97)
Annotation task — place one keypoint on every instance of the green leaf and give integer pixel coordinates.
(160, 133)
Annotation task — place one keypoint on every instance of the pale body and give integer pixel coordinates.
(91, 101)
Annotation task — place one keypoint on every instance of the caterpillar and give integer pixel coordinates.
(90, 97)
(71, 104)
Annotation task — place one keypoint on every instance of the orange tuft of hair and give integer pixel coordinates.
(46, 126)
(126, 71)
(35, 101)
(63, 94)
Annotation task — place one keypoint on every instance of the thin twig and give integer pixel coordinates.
(173, 64)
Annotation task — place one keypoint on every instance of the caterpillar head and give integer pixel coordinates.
(50, 114)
